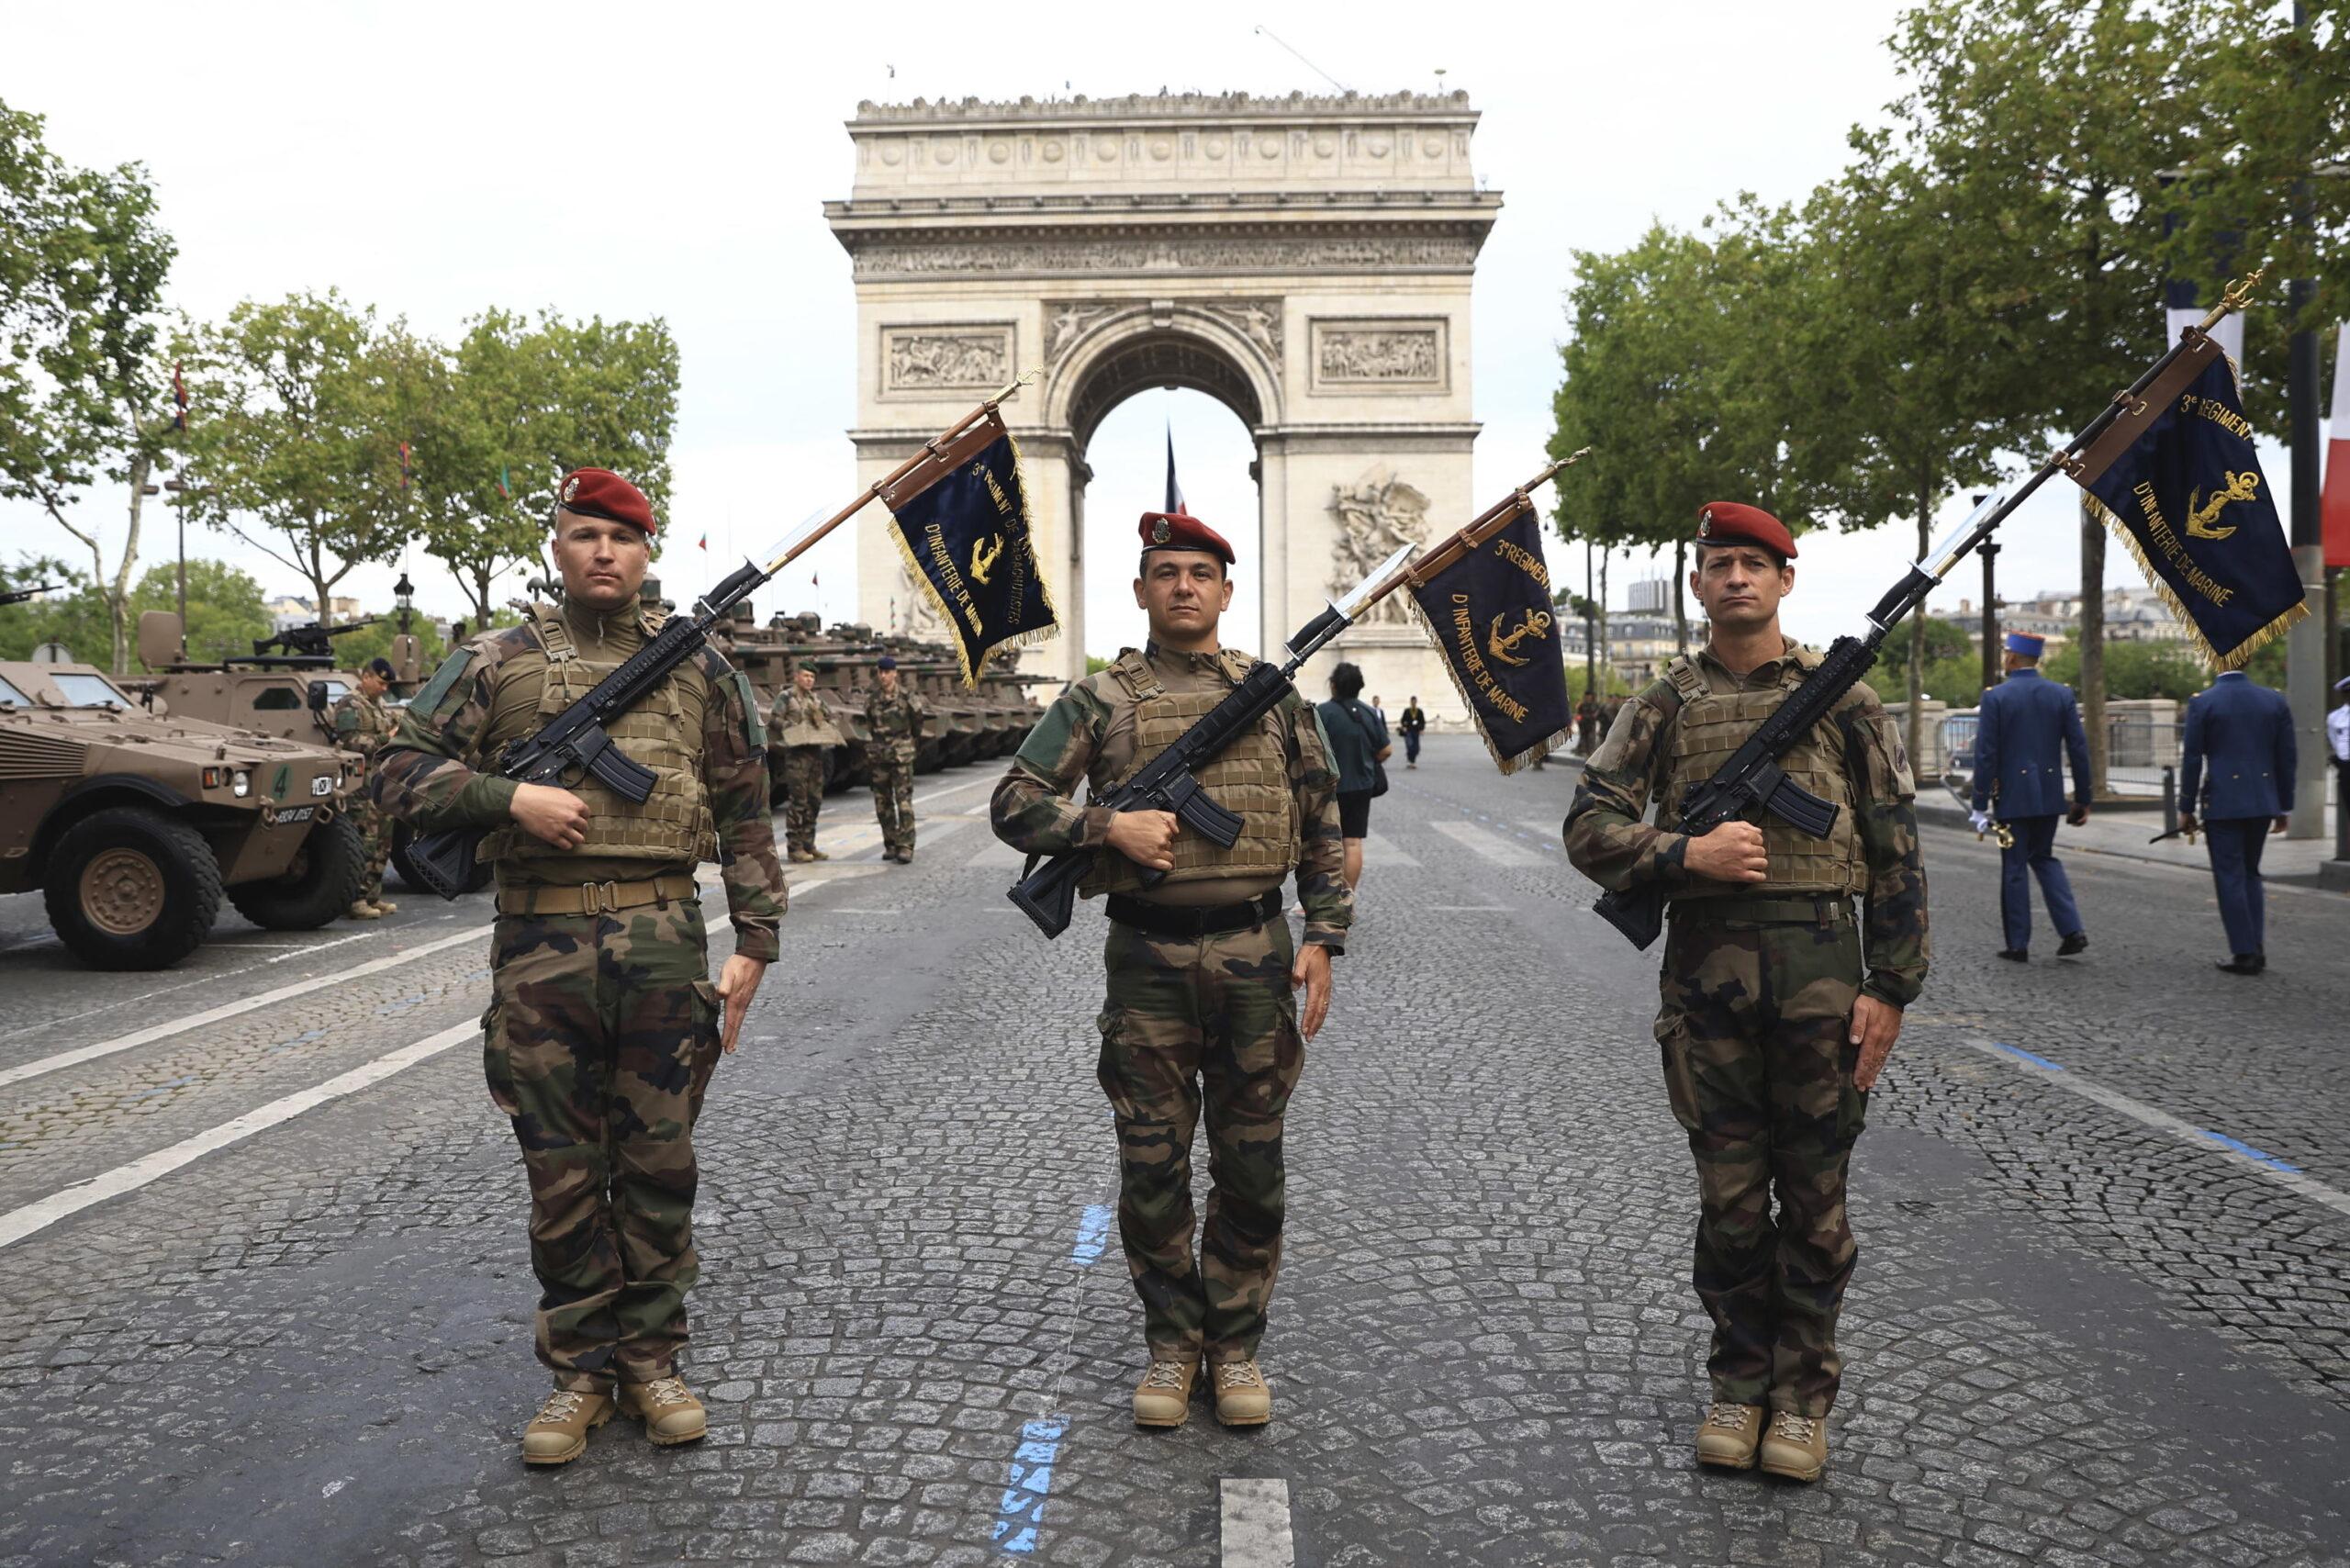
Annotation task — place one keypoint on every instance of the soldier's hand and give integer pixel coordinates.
(1875, 1025)
(2187, 823)
(737, 984)
(1312, 970)
(1732, 853)
(2079, 814)
(549, 815)
(1146, 838)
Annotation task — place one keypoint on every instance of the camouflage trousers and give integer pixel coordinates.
(598, 1043)
(892, 779)
(803, 787)
(375, 837)
(1753, 1034)
(1190, 1024)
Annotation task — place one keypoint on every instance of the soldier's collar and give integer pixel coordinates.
(595, 625)
(1208, 661)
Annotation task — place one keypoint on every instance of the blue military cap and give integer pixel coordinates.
(2024, 643)
(888, 661)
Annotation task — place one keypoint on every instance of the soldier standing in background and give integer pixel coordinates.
(603, 1027)
(893, 718)
(1200, 966)
(2029, 726)
(2246, 731)
(807, 733)
(1779, 1010)
(362, 723)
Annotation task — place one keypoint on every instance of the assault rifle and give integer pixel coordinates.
(576, 745)
(1752, 779)
(312, 641)
(18, 596)
(1170, 782)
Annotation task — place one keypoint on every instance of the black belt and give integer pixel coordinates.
(1190, 920)
(1795, 910)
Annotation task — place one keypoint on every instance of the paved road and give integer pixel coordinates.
(262, 1248)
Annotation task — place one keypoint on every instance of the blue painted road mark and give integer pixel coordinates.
(2019, 1051)
(1030, 1481)
(1092, 1235)
(2263, 1156)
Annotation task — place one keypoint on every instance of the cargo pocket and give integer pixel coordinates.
(702, 1053)
(497, 1064)
(1680, 1083)
(1851, 1101)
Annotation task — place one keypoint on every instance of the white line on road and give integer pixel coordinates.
(1255, 1525)
(19, 1223)
(165, 1030)
(1377, 850)
(1493, 847)
(2269, 1165)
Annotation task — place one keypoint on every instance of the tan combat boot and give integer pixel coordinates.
(1243, 1399)
(1796, 1447)
(801, 858)
(558, 1433)
(818, 854)
(1163, 1398)
(383, 905)
(667, 1407)
(362, 910)
(1730, 1434)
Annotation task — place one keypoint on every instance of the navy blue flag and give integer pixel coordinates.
(962, 524)
(2180, 483)
(1491, 615)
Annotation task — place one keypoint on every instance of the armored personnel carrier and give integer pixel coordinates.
(135, 823)
(287, 686)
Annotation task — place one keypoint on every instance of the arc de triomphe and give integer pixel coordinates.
(1306, 261)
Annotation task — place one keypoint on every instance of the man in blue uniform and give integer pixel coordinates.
(2028, 721)
(2246, 731)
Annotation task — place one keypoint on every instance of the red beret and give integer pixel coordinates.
(1731, 523)
(1182, 530)
(600, 492)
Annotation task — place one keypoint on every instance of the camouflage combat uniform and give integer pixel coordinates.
(808, 734)
(1758, 984)
(894, 725)
(603, 1027)
(363, 723)
(1194, 1023)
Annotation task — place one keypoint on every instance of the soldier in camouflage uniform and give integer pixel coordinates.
(1199, 1014)
(809, 734)
(603, 1027)
(894, 717)
(1779, 1008)
(362, 723)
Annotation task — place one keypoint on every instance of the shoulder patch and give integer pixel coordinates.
(452, 669)
(755, 729)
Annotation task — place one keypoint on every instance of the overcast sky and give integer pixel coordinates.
(433, 159)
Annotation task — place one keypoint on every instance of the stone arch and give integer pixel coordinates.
(1131, 351)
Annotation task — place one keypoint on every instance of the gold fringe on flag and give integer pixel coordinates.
(1508, 764)
(946, 611)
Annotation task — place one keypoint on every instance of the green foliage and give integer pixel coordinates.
(1095, 663)
(226, 610)
(83, 395)
(355, 649)
(2135, 671)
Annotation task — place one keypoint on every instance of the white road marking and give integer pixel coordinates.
(1470, 908)
(1379, 851)
(1493, 847)
(1547, 830)
(1255, 1525)
(165, 1030)
(2138, 1110)
(998, 856)
(19, 1223)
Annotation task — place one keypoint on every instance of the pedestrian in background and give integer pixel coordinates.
(1379, 708)
(1587, 724)
(1413, 724)
(2337, 739)
(2246, 731)
(1359, 744)
(2030, 727)
(362, 723)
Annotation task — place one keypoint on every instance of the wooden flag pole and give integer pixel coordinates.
(1469, 535)
(931, 453)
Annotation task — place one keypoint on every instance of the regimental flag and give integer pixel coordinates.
(2334, 502)
(1490, 613)
(2177, 478)
(961, 521)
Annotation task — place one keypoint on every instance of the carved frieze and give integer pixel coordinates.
(1066, 321)
(1374, 516)
(1258, 321)
(904, 258)
(1379, 355)
(946, 358)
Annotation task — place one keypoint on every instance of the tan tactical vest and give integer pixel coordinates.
(1710, 727)
(661, 733)
(805, 721)
(1249, 777)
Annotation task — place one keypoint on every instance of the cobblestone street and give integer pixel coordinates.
(264, 1261)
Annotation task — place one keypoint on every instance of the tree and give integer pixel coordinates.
(226, 611)
(294, 438)
(81, 269)
(523, 403)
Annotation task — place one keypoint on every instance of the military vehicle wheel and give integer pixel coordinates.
(484, 873)
(129, 889)
(320, 886)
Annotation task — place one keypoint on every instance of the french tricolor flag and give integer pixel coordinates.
(2335, 507)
